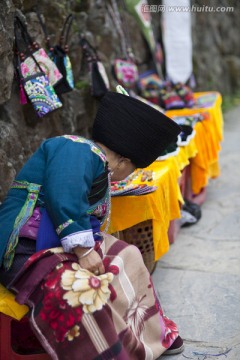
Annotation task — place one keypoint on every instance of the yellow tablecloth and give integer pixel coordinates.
(209, 134)
(186, 153)
(161, 206)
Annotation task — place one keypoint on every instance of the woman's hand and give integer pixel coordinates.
(91, 262)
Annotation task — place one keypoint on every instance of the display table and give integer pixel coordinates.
(161, 206)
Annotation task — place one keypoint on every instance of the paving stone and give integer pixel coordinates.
(227, 228)
(204, 305)
(214, 256)
(193, 351)
(210, 217)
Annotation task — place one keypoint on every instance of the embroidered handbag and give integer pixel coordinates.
(64, 65)
(41, 93)
(28, 65)
(59, 54)
(36, 86)
(126, 72)
(98, 76)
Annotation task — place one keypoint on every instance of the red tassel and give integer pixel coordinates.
(23, 97)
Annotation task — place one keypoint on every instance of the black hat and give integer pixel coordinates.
(133, 129)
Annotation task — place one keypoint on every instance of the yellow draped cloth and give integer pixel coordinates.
(209, 134)
(161, 206)
(186, 153)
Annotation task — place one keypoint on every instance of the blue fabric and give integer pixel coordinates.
(47, 236)
(95, 223)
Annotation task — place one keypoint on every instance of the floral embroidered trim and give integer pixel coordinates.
(61, 227)
(100, 211)
(93, 146)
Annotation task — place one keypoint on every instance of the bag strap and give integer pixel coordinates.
(90, 51)
(20, 55)
(113, 11)
(32, 45)
(121, 25)
(65, 32)
(127, 32)
(44, 29)
(17, 67)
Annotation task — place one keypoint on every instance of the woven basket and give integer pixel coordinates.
(141, 235)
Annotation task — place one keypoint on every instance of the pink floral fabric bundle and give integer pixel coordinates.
(78, 315)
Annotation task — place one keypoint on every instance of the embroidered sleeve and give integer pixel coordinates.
(61, 227)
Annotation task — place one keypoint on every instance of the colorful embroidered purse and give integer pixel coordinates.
(36, 86)
(126, 72)
(59, 54)
(41, 93)
(28, 65)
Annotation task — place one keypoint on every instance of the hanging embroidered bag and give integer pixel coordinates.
(59, 54)
(28, 65)
(126, 72)
(36, 86)
(41, 93)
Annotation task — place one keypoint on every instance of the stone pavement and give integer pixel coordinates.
(198, 280)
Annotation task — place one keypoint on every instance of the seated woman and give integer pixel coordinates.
(90, 295)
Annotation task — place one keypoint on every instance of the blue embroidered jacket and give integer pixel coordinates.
(66, 168)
